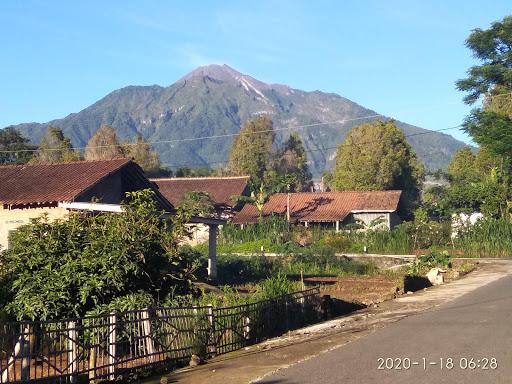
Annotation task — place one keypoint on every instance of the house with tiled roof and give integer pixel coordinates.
(329, 208)
(223, 190)
(29, 190)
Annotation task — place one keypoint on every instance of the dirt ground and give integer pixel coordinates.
(369, 290)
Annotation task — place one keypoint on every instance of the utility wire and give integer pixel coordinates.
(325, 148)
(250, 133)
(206, 137)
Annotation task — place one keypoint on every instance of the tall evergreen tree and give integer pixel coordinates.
(103, 145)
(141, 152)
(251, 149)
(11, 140)
(462, 167)
(376, 156)
(55, 148)
(291, 160)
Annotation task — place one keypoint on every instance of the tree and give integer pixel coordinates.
(103, 145)
(251, 149)
(141, 152)
(55, 148)
(493, 48)
(19, 150)
(491, 125)
(193, 172)
(462, 167)
(96, 263)
(376, 156)
(198, 203)
(291, 159)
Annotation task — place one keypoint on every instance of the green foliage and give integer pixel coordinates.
(376, 156)
(198, 203)
(433, 200)
(426, 262)
(234, 269)
(488, 197)
(327, 180)
(55, 148)
(87, 262)
(251, 149)
(194, 172)
(273, 228)
(491, 129)
(103, 145)
(12, 140)
(493, 48)
(276, 286)
(487, 238)
(424, 233)
(462, 167)
(290, 162)
(397, 241)
(140, 151)
(491, 125)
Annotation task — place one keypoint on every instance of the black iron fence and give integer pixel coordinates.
(105, 347)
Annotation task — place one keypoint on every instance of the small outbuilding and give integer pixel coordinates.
(379, 208)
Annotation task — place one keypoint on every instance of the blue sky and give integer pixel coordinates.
(400, 58)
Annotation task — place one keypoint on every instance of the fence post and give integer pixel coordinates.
(25, 352)
(146, 326)
(72, 352)
(112, 345)
(211, 320)
(246, 322)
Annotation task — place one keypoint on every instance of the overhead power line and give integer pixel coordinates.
(207, 137)
(325, 148)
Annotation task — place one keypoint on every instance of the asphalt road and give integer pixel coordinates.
(475, 326)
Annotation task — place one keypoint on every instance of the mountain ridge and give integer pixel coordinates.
(215, 100)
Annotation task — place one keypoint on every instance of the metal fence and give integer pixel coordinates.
(105, 347)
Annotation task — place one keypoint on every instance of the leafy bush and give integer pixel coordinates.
(431, 260)
(337, 241)
(275, 286)
(241, 269)
(67, 268)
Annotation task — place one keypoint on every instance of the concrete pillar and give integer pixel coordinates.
(212, 252)
(337, 226)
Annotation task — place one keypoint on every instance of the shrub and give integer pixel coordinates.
(242, 269)
(276, 286)
(337, 241)
(67, 268)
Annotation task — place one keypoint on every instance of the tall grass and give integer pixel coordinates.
(273, 227)
(396, 241)
(487, 238)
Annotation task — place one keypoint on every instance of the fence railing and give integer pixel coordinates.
(104, 347)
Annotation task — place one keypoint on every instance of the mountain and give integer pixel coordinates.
(215, 100)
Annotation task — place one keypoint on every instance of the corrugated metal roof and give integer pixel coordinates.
(322, 206)
(221, 189)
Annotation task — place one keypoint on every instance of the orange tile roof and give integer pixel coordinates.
(322, 206)
(64, 182)
(220, 189)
